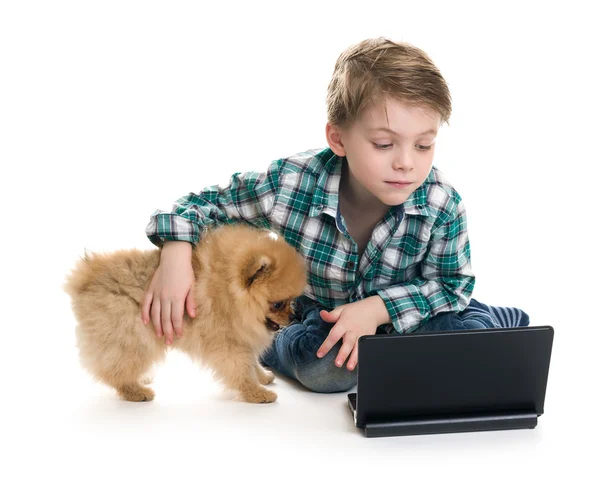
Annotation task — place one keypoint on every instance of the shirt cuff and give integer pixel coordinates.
(405, 313)
(171, 227)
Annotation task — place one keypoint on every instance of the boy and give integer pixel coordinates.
(383, 233)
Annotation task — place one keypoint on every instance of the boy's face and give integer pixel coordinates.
(389, 149)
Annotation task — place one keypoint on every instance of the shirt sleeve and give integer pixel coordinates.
(248, 197)
(446, 283)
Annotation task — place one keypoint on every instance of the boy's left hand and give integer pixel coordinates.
(352, 321)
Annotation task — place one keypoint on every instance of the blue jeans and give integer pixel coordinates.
(294, 349)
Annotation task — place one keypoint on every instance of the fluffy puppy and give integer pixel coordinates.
(246, 280)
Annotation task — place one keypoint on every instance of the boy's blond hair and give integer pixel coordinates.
(378, 69)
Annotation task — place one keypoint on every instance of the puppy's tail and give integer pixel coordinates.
(78, 278)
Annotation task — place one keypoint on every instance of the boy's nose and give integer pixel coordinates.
(403, 160)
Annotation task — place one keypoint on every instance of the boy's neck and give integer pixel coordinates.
(356, 197)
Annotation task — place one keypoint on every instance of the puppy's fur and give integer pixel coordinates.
(246, 279)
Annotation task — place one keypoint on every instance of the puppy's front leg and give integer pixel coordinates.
(239, 372)
(253, 392)
(264, 376)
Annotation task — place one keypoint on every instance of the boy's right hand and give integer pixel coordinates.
(170, 291)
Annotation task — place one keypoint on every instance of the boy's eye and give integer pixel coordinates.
(382, 146)
(420, 147)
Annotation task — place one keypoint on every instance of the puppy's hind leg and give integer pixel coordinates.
(114, 345)
(128, 378)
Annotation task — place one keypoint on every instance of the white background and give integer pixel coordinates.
(110, 110)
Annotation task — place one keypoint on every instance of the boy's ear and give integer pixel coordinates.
(334, 139)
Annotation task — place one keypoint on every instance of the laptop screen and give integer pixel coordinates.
(452, 373)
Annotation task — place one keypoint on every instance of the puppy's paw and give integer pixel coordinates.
(266, 377)
(136, 393)
(259, 395)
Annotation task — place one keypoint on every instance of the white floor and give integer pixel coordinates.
(57, 418)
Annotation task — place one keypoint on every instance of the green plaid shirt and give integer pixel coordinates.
(417, 260)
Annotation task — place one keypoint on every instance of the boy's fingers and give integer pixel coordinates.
(191, 305)
(353, 360)
(332, 316)
(165, 314)
(346, 348)
(177, 317)
(335, 334)
(155, 314)
(146, 308)
(326, 316)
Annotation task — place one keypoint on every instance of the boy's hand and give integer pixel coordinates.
(352, 321)
(170, 291)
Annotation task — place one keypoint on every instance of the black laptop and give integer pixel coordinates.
(443, 382)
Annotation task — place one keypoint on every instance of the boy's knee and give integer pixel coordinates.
(338, 381)
(322, 375)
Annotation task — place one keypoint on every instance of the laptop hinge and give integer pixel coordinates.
(472, 423)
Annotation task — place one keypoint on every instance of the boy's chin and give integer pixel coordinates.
(394, 199)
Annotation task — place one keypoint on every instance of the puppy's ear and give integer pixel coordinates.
(258, 268)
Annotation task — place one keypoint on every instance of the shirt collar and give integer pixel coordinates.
(416, 204)
(325, 198)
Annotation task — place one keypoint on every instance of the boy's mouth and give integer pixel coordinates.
(398, 184)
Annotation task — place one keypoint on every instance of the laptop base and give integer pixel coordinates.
(453, 424)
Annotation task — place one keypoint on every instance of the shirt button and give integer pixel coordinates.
(351, 264)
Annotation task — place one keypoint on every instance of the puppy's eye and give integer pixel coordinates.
(277, 305)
